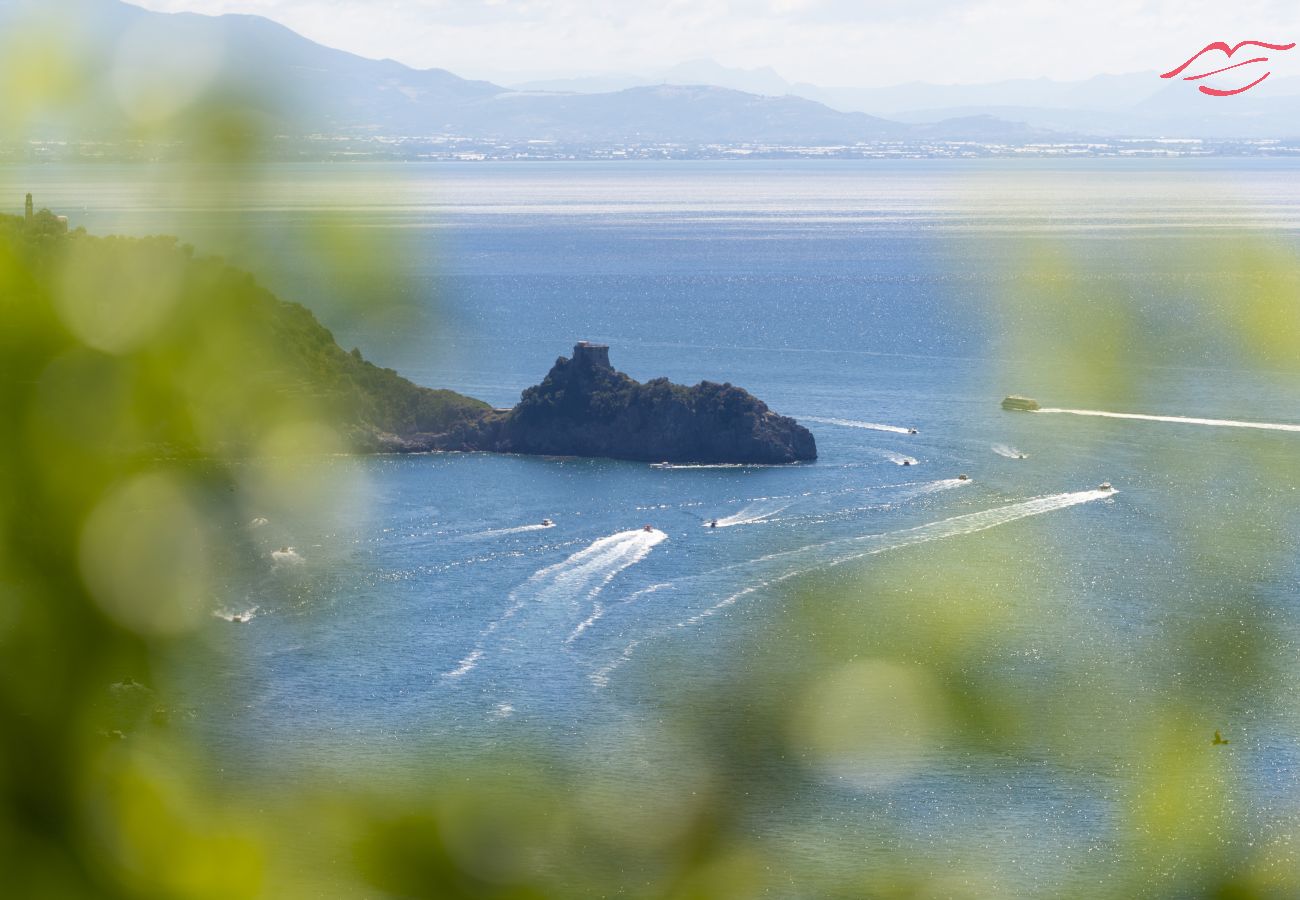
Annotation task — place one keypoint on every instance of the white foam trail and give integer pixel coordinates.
(503, 710)
(968, 523)
(286, 556)
(899, 459)
(752, 514)
(1009, 452)
(853, 423)
(518, 529)
(718, 465)
(241, 618)
(600, 677)
(850, 549)
(598, 609)
(1183, 420)
(466, 664)
(584, 574)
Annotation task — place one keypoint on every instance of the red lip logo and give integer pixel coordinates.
(1227, 51)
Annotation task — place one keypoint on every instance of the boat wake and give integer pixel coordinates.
(1183, 420)
(286, 557)
(783, 566)
(1009, 452)
(666, 465)
(853, 423)
(238, 618)
(900, 459)
(518, 529)
(753, 514)
(579, 578)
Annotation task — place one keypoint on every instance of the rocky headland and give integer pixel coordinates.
(214, 364)
(585, 407)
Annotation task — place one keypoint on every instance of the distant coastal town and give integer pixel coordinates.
(454, 148)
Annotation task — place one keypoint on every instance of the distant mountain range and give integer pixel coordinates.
(1137, 104)
(142, 66)
(141, 63)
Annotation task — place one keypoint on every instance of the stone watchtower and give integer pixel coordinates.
(594, 355)
(29, 211)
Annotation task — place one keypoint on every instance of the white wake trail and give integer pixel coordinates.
(900, 459)
(813, 557)
(1009, 452)
(581, 576)
(752, 514)
(1182, 420)
(853, 423)
(518, 529)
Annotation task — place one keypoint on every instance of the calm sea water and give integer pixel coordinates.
(428, 602)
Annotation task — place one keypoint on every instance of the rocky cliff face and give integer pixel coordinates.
(586, 408)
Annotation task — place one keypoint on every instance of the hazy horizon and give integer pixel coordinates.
(828, 43)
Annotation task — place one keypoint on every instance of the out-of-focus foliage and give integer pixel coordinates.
(147, 394)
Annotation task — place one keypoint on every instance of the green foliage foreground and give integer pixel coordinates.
(152, 393)
(149, 395)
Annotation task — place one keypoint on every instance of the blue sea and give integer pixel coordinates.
(424, 602)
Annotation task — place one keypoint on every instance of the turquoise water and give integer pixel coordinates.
(428, 603)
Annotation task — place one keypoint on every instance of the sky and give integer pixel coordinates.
(858, 43)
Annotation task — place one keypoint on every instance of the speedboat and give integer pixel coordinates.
(912, 431)
(963, 477)
(1022, 404)
(713, 523)
(907, 462)
(661, 465)
(1105, 486)
(547, 523)
(647, 528)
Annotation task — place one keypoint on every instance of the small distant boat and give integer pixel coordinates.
(547, 523)
(963, 477)
(906, 462)
(647, 528)
(1105, 486)
(912, 431)
(661, 465)
(1219, 739)
(241, 618)
(1022, 404)
(713, 523)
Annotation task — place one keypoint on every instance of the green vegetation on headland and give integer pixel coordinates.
(185, 341)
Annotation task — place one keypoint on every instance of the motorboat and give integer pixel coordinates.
(547, 523)
(1021, 404)
(906, 462)
(661, 465)
(647, 528)
(713, 523)
(912, 431)
(1105, 486)
(963, 477)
